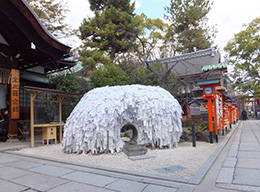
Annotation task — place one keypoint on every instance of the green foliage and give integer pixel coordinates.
(109, 31)
(90, 58)
(110, 75)
(186, 123)
(243, 51)
(150, 34)
(188, 29)
(52, 15)
(200, 128)
(157, 76)
(70, 83)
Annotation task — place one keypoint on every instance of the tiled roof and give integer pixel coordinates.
(215, 66)
(190, 63)
(208, 81)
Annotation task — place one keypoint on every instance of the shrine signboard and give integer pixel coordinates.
(15, 83)
(195, 109)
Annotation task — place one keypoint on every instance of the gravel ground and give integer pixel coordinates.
(191, 158)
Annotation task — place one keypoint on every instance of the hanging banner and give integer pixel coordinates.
(15, 82)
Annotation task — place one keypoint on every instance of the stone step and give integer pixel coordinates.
(134, 149)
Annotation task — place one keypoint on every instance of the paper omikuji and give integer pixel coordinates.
(95, 123)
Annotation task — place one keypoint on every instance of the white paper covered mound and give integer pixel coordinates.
(96, 121)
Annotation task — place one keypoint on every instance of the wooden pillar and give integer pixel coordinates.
(32, 97)
(210, 121)
(223, 115)
(188, 112)
(234, 114)
(229, 113)
(216, 117)
(237, 114)
(60, 116)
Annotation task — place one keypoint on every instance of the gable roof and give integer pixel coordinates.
(24, 39)
(191, 63)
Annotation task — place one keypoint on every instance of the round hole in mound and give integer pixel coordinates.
(129, 133)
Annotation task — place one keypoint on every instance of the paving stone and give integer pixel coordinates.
(156, 188)
(51, 170)
(8, 173)
(250, 163)
(6, 186)
(248, 138)
(39, 182)
(230, 162)
(233, 151)
(30, 190)
(225, 175)
(249, 148)
(245, 154)
(23, 164)
(247, 177)
(162, 182)
(79, 187)
(249, 145)
(126, 186)
(6, 158)
(185, 189)
(242, 188)
(89, 178)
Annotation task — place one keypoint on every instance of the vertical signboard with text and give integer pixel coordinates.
(15, 82)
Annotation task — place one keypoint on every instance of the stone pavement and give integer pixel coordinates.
(233, 166)
(241, 168)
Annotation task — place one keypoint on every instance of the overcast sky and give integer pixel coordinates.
(227, 15)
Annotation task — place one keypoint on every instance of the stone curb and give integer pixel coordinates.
(199, 175)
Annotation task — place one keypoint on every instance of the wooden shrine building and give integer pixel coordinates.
(28, 53)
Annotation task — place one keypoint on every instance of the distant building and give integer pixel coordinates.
(191, 67)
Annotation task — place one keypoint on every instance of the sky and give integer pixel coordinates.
(227, 15)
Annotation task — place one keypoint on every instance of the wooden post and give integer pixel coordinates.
(193, 132)
(229, 113)
(60, 116)
(223, 115)
(216, 118)
(234, 115)
(237, 114)
(188, 112)
(32, 97)
(210, 121)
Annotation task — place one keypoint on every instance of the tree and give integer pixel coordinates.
(243, 51)
(110, 74)
(72, 83)
(149, 37)
(105, 35)
(52, 16)
(134, 43)
(148, 46)
(188, 29)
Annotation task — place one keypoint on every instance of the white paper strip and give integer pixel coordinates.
(96, 121)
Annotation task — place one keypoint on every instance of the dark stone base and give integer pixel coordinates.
(134, 149)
